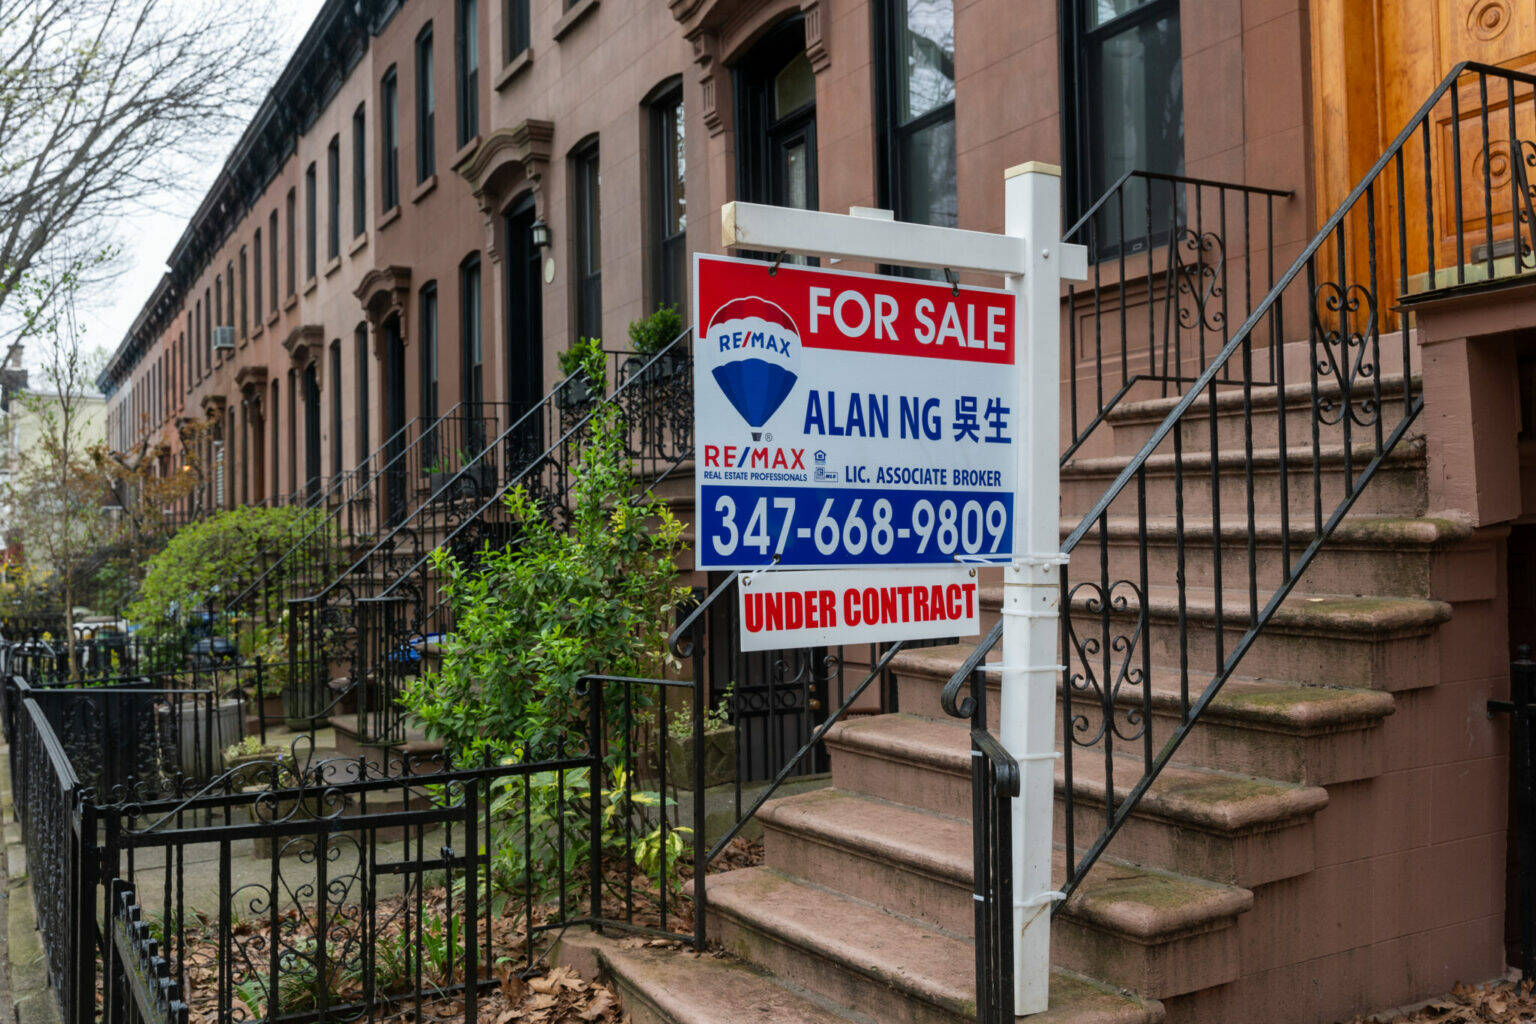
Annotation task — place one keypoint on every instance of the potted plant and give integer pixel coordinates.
(583, 364)
(648, 336)
(472, 480)
(719, 747)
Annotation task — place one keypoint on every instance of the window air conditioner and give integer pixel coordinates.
(224, 337)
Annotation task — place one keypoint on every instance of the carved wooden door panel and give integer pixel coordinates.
(1421, 40)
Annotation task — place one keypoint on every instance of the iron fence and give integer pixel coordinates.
(299, 888)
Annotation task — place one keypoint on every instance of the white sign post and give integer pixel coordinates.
(1034, 261)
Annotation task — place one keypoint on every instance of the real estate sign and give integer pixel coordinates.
(851, 420)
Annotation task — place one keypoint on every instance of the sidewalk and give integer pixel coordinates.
(25, 997)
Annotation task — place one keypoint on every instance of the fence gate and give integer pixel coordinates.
(326, 900)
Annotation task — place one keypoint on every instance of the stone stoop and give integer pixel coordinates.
(1235, 879)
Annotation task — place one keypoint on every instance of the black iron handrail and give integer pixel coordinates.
(1199, 223)
(1106, 689)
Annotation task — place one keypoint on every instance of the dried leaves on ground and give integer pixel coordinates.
(1498, 1002)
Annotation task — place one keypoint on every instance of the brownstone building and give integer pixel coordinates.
(1293, 480)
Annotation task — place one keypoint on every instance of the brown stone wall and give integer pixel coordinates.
(588, 73)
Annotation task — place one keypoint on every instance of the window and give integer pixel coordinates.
(218, 300)
(426, 140)
(669, 211)
(333, 198)
(276, 419)
(207, 331)
(244, 312)
(272, 250)
(229, 283)
(389, 123)
(428, 306)
(360, 343)
(466, 61)
(359, 172)
(336, 448)
(311, 220)
(293, 434)
(515, 16)
(586, 218)
(290, 224)
(472, 348)
(775, 90)
(195, 324)
(917, 100)
(256, 275)
(1126, 107)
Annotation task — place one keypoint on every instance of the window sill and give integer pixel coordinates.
(390, 216)
(424, 189)
(333, 265)
(358, 244)
(256, 330)
(311, 284)
(466, 151)
(578, 12)
(291, 301)
(513, 68)
(272, 319)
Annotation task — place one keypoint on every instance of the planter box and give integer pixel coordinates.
(200, 743)
(719, 759)
(474, 483)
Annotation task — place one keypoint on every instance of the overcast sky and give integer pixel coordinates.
(148, 234)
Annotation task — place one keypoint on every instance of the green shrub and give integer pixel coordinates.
(650, 334)
(532, 618)
(214, 560)
(587, 356)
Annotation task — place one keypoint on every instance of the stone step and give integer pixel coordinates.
(890, 969)
(1397, 489)
(1365, 555)
(1316, 735)
(1222, 826)
(1158, 934)
(1367, 642)
(1134, 422)
(668, 986)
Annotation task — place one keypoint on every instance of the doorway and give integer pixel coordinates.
(525, 335)
(394, 420)
(311, 433)
(776, 121)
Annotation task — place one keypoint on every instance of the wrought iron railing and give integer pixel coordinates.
(1274, 444)
(1177, 247)
(401, 884)
(379, 617)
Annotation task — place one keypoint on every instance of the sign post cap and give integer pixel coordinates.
(1032, 167)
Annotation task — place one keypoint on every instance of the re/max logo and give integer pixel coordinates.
(732, 456)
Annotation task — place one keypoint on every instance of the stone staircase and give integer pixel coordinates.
(1282, 868)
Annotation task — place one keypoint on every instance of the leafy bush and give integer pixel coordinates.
(650, 334)
(557, 604)
(220, 555)
(587, 356)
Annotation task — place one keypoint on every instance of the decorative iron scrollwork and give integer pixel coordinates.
(1114, 653)
(1342, 345)
(1201, 259)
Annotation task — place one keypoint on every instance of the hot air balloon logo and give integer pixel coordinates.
(758, 348)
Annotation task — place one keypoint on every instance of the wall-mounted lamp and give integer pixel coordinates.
(539, 233)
